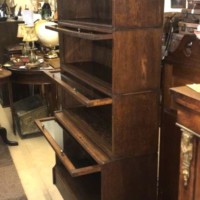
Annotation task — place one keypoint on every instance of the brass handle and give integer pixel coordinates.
(62, 152)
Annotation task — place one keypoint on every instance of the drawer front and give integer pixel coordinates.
(74, 188)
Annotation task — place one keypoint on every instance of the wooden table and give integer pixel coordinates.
(5, 80)
(37, 77)
(187, 103)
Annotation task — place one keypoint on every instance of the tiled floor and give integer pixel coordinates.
(34, 159)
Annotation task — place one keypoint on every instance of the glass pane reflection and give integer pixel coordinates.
(55, 130)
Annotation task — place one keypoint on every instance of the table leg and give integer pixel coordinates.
(3, 134)
(11, 105)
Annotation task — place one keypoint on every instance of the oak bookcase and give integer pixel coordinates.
(110, 54)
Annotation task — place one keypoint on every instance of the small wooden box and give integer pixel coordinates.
(26, 111)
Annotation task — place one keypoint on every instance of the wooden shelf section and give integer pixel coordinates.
(78, 168)
(89, 24)
(85, 72)
(82, 94)
(89, 130)
(81, 33)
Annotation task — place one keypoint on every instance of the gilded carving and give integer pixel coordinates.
(186, 155)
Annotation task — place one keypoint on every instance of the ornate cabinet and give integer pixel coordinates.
(110, 75)
(180, 67)
(187, 103)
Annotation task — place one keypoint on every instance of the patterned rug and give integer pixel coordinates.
(10, 184)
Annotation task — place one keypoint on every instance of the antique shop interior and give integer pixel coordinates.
(100, 100)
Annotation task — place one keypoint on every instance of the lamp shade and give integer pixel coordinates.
(30, 34)
(48, 38)
(20, 30)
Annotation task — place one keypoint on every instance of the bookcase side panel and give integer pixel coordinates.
(85, 9)
(143, 13)
(136, 60)
(135, 124)
(130, 178)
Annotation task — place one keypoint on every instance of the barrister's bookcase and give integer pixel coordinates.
(109, 82)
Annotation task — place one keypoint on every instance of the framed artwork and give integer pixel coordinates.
(178, 3)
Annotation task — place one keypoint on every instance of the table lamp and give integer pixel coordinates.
(48, 38)
(20, 30)
(30, 35)
(20, 34)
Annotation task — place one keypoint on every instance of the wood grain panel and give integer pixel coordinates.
(143, 13)
(136, 64)
(130, 178)
(132, 127)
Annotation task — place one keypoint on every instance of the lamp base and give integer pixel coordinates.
(51, 54)
(30, 65)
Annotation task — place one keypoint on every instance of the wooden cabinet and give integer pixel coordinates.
(181, 67)
(109, 80)
(187, 103)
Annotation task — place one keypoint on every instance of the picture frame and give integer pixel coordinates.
(178, 3)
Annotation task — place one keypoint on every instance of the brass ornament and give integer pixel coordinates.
(186, 154)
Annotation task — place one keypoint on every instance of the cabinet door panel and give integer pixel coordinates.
(71, 154)
(83, 93)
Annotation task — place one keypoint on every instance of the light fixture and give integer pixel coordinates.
(30, 36)
(48, 38)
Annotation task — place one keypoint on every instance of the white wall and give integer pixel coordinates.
(168, 8)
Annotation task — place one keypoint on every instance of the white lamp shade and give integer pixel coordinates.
(48, 38)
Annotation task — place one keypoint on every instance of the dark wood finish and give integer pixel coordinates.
(5, 76)
(136, 138)
(197, 174)
(187, 103)
(3, 135)
(106, 53)
(117, 13)
(8, 37)
(169, 161)
(74, 172)
(120, 173)
(5, 80)
(81, 93)
(73, 189)
(180, 67)
(38, 79)
(138, 61)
